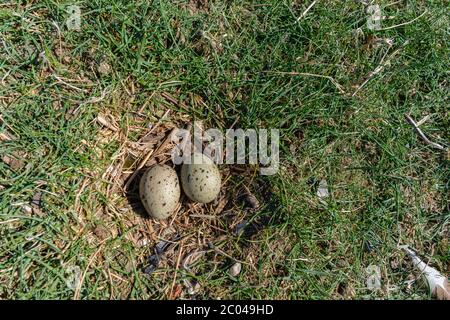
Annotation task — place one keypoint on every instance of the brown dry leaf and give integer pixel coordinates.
(177, 290)
(220, 205)
(102, 119)
(15, 160)
(197, 6)
(101, 232)
(5, 136)
(38, 212)
(36, 204)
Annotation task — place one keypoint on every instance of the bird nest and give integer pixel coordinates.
(195, 232)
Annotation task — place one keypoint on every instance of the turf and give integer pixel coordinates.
(254, 65)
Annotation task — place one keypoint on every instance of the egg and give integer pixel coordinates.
(201, 179)
(159, 190)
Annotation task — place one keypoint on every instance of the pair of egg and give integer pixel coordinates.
(159, 188)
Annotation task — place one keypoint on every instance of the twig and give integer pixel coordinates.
(8, 221)
(422, 135)
(382, 65)
(425, 119)
(5, 76)
(217, 250)
(93, 100)
(156, 125)
(306, 11)
(333, 81)
(111, 285)
(204, 216)
(176, 269)
(405, 23)
(149, 155)
(80, 285)
(68, 84)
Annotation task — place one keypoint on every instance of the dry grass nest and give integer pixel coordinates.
(195, 233)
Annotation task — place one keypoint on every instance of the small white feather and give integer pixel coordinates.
(437, 282)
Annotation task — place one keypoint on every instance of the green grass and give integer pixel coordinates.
(387, 187)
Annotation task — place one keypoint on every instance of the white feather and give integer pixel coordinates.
(434, 278)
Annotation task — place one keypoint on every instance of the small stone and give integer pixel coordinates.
(235, 269)
(27, 209)
(373, 281)
(104, 68)
(322, 191)
(14, 161)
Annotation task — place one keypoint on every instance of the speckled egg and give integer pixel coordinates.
(159, 190)
(201, 179)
